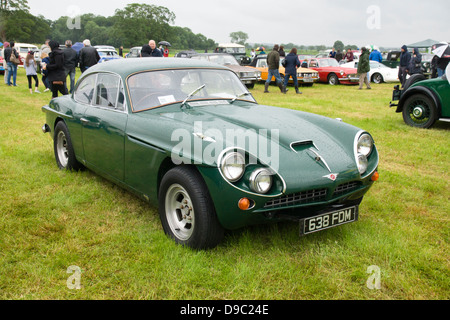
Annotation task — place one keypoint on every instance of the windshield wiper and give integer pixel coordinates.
(193, 93)
(240, 95)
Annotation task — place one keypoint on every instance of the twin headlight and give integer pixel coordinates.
(233, 167)
(364, 147)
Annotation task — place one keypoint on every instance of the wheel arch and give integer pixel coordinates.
(419, 90)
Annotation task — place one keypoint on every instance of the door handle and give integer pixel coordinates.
(84, 121)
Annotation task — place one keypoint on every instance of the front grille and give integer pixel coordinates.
(297, 198)
(346, 187)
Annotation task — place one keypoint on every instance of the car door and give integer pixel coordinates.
(104, 124)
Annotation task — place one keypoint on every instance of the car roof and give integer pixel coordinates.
(125, 67)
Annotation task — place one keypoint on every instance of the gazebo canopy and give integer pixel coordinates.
(423, 44)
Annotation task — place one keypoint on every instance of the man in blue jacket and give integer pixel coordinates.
(291, 63)
(376, 56)
(405, 58)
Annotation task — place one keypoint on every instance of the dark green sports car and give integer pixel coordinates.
(422, 102)
(189, 137)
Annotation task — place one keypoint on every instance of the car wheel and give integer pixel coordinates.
(63, 148)
(419, 111)
(186, 209)
(250, 86)
(333, 79)
(377, 78)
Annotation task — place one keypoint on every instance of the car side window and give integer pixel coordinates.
(107, 90)
(85, 90)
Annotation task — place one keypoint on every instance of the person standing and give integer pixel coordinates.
(376, 56)
(5, 66)
(339, 56)
(88, 56)
(415, 64)
(332, 53)
(441, 65)
(291, 64)
(31, 72)
(12, 67)
(56, 73)
(70, 63)
(349, 57)
(281, 52)
(166, 52)
(44, 61)
(405, 58)
(364, 68)
(273, 62)
(150, 50)
(121, 51)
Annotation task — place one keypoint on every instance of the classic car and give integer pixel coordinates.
(305, 76)
(185, 54)
(24, 48)
(135, 52)
(249, 76)
(423, 101)
(378, 73)
(331, 72)
(237, 50)
(107, 53)
(188, 136)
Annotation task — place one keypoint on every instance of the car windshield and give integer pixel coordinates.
(328, 63)
(152, 89)
(232, 49)
(224, 60)
(107, 53)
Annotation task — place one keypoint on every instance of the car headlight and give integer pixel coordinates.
(233, 166)
(365, 145)
(261, 180)
(363, 163)
(342, 72)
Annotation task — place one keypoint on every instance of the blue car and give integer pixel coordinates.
(107, 53)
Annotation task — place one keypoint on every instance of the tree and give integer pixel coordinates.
(239, 37)
(7, 9)
(339, 45)
(137, 23)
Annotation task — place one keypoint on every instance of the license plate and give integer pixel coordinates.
(307, 80)
(328, 220)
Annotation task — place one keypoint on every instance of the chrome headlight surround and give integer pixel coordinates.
(365, 144)
(261, 180)
(233, 166)
(363, 148)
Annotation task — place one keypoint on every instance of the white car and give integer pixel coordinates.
(378, 72)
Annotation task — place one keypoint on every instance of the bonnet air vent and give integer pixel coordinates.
(299, 146)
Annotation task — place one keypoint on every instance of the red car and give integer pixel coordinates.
(2, 69)
(331, 72)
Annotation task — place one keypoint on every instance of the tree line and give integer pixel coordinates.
(131, 26)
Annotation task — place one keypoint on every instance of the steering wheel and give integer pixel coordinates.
(148, 96)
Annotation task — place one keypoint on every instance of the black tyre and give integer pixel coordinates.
(186, 209)
(333, 79)
(62, 146)
(377, 78)
(419, 111)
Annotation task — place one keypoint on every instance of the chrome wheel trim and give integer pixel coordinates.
(61, 149)
(179, 212)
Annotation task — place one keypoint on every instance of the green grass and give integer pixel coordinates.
(50, 220)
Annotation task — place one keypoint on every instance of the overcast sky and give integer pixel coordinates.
(315, 22)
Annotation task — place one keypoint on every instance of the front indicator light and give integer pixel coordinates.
(375, 176)
(244, 204)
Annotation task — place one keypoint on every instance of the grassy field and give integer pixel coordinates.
(50, 220)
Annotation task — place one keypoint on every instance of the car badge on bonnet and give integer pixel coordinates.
(332, 176)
